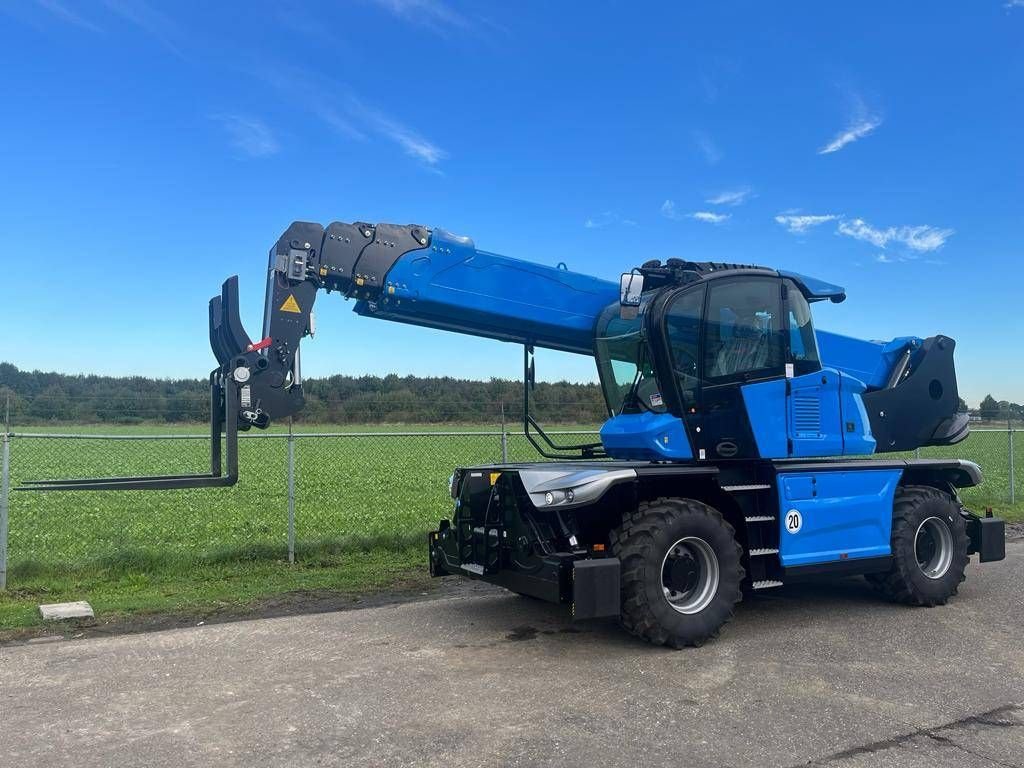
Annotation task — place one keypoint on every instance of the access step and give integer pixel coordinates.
(766, 584)
(763, 551)
(752, 487)
(760, 518)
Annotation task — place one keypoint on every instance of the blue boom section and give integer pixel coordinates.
(453, 286)
(870, 361)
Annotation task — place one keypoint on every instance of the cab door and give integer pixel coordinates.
(742, 346)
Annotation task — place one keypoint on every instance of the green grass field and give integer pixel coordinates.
(363, 505)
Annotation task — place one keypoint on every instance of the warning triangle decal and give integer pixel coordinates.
(291, 305)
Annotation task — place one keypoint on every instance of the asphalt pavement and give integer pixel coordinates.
(824, 674)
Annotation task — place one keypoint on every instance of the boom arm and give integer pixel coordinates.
(405, 273)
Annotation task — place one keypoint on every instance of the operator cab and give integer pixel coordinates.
(715, 361)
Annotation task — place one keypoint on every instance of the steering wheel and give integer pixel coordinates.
(685, 362)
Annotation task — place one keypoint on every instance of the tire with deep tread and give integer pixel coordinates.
(641, 543)
(905, 582)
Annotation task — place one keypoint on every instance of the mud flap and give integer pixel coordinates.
(595, 588)
(988, 538)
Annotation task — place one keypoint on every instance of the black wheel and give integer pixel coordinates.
(929, 548)
(681, 571)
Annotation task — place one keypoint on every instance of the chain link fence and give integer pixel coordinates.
(298, 496)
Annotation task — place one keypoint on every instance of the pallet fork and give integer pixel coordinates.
(230, 345)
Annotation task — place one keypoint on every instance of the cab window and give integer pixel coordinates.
(682, 330)
(743, 338)
(803, 345)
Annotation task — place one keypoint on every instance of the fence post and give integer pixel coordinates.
(1009, 430)
(5, 490)
(504, 436)
(917, 453)
(291, 493)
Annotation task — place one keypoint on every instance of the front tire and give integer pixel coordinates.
(681, 571)
(929, 548)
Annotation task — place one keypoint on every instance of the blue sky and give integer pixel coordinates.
(148, 150)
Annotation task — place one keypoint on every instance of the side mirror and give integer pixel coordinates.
(631, 288)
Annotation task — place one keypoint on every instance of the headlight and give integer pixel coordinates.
(557, 497)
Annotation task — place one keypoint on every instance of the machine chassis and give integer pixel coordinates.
(560, 549)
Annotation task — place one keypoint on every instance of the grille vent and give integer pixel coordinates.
(806, 416)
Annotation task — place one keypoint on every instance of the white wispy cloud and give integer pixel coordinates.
(861, 230)
(411, 142)
(607, 218)
(668, 210)
(707, 147)
(62, 12)
(1009, 4)
(248, 134)
(921, 238)
(800, 223)
(709, 218)
(914, 240)
(857, 130)
(862, 121)
(433, 14)
(731, 196)
(349, 116)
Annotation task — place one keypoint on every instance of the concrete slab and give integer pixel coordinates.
(65, 611)
(822, 674)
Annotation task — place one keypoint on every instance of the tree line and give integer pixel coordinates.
(36, 397)
(54, 398)
(1000, 410)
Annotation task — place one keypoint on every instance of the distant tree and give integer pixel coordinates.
(11, 404)
(989, 408)
(52, 404)
(962, 406)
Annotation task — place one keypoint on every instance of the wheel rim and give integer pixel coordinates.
(689, 575)
(933, 547)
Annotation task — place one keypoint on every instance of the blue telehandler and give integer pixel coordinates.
(737, 454)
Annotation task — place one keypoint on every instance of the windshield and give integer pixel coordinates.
(624, 364)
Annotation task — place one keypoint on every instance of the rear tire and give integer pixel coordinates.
(681, 571)
(929, 548)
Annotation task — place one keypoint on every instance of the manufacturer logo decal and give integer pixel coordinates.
(727, 449)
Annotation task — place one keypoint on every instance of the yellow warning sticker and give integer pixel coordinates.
(291, 305)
